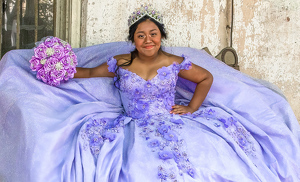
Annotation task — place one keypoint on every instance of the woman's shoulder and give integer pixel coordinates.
(122, 58)
(173, 58)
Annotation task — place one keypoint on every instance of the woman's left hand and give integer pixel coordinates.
(180, 109)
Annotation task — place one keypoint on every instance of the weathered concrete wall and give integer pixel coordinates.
(188, 22)
(266, 33)
(267, 39)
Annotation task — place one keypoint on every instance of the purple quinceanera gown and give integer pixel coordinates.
(89, 130)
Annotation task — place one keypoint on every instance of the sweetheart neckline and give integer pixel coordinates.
(152, 77)
(184, 58)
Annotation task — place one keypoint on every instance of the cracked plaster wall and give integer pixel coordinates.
(267, 38)
(265, 33)
(188, 22)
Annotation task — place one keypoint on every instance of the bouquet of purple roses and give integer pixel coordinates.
(53, 60)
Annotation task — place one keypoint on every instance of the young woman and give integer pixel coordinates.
(163, 144)
(159, 119)
(148, 60)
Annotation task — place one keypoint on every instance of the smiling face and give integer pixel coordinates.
(147, 38)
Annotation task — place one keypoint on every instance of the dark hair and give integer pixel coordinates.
(130, 37)
(133, 27)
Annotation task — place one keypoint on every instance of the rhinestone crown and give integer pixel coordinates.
(143, 11)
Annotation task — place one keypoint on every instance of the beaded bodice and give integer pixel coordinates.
(143, 98)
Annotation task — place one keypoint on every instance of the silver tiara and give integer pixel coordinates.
(143, 11)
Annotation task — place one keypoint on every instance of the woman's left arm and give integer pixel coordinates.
(204, 80)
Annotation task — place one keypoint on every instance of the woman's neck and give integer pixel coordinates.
(148, 59)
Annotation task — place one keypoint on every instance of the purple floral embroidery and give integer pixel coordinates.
(162, 174)
(169, 102)
(164, 155)
(166, 143)
(99, 130)
(153, 143)
(142, 105)
(170, 136)
(163, 129)
(239, 134)
(186, 64)
(148, 86)
(164, 73)
(137, 93)
(142, 123)
(112, 64)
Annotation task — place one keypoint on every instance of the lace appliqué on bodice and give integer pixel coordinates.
(142, 98)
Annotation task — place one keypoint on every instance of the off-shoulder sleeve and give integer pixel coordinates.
(112, 64)
(186, 64)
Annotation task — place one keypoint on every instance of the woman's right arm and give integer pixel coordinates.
(99, 71)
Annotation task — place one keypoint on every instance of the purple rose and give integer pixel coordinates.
(66, 62)
(50, 64)
(163, 73)
(57, 74)
(35, 64)
(112, 64)
(142, 105)
(40, 51)
(51, 41)
(43, 75)
(148, 86)
(164, 155)
(186, 64)
(55, 77)
(137, 93)
(68, 48)
(163, 129)
(153, 143)
(170, 136)
(69, 73)
(58, 51)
